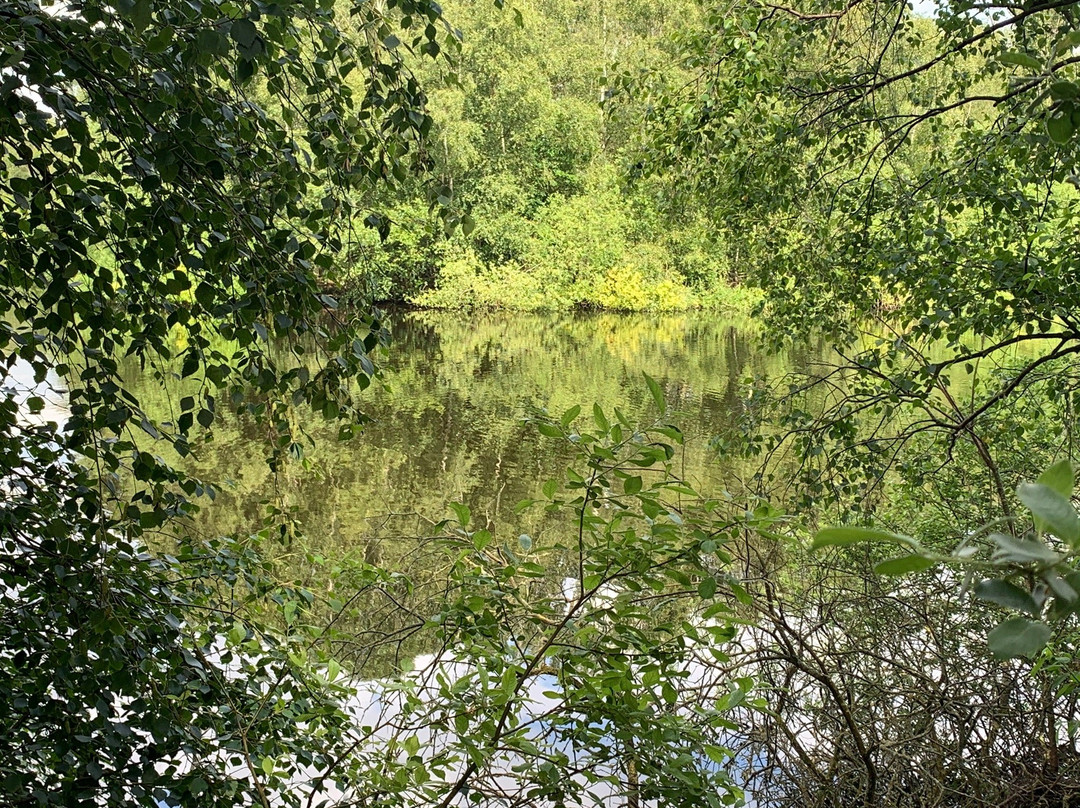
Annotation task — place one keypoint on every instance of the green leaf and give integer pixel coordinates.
(844, 536)
(142, 14)
(1017, 637)
(191, 364)
(1059, 477)
(569, 416)
(1064, 90)
(903, 565)
(707, 588)
(212, 41)
(526, 542)
(549, 489)
(1059, 125)
(1022, 551)
(462, 513)
(1006, 594)
(1019, 59)
(205, 294)
(717, 755)
(1053, 512)
(632, 485)
(122, 58)
(160, 41)
(717, 608)
(244, 32)
(237, 633)
(1059, 586)
(657, 393)
(268, 766)
(548, 430)
(468, 225)
(598, 416)
(1067, 42)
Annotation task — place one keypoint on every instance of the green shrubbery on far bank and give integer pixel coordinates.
(525, 153)
(636, 282)
(585, 251)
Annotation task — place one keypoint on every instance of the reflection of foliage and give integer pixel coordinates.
(450, 424)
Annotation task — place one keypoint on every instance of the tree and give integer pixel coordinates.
(907, 184)
(521, 144)
(150, 202)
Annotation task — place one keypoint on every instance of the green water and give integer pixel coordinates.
(449, 424)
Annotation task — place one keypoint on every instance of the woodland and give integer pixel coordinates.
(861, 590)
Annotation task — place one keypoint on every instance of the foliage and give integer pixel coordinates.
(159, 215)
(566, 660)
(524, 153)
(136, 143)
(148, 198)
(131, 678)
(384, 267)
(904, 183)
(882, 691)
(1031, 573)
(577, 252)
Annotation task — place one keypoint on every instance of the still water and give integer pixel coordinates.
(448, 425)
(449, 422)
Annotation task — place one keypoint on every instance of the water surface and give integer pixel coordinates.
(449, 423)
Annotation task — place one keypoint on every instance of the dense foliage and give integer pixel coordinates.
(878, 164)
(145, 195)
(522, 148)
(905, 182)
(185, 182)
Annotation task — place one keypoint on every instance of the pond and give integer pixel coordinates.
(449, 424)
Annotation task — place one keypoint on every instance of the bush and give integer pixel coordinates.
(640, 282)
